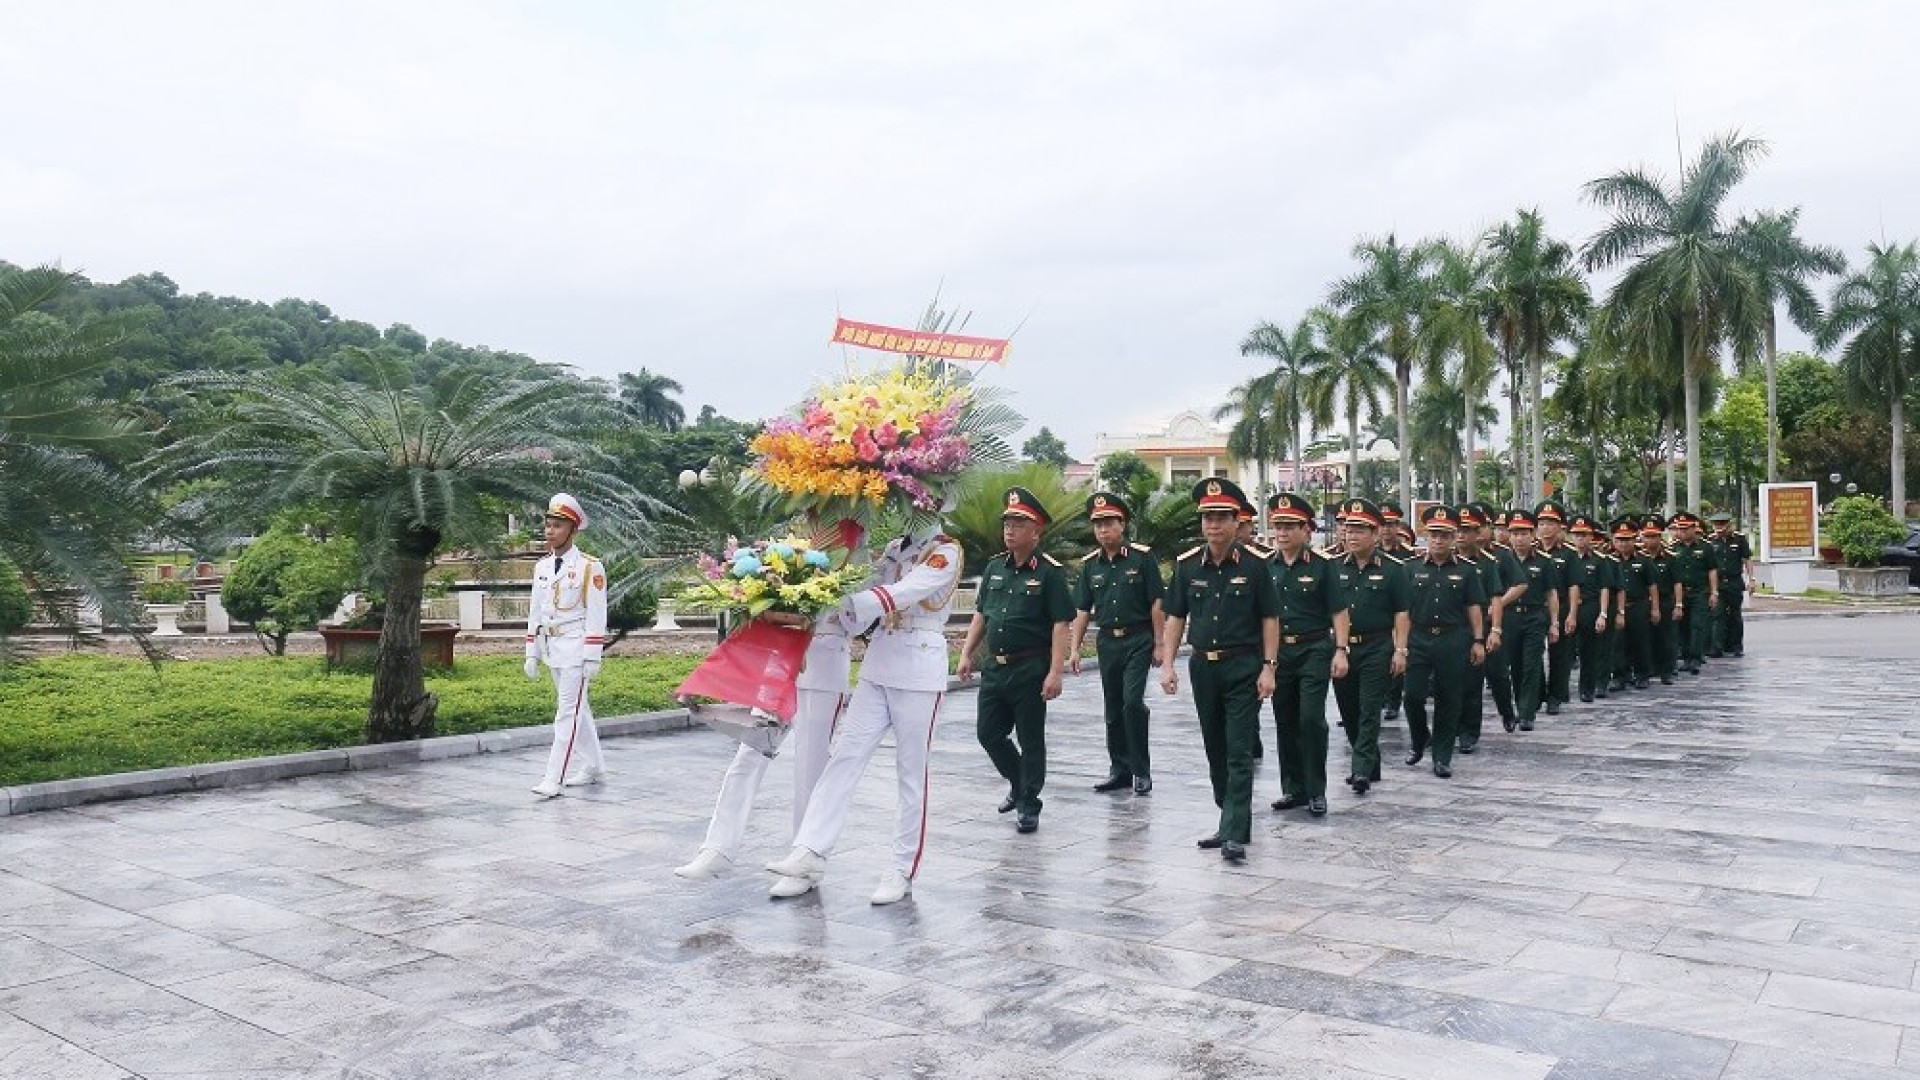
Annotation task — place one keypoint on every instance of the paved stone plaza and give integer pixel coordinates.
(1717, 880)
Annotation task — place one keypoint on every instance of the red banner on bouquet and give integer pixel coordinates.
(920, 342)
(755, 667)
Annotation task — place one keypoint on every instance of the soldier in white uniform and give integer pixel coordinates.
(567, 627)
(822, 686)
(901, 683)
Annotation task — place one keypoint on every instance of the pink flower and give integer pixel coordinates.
(887, 435)
(867, 449)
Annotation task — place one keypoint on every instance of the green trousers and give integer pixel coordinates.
(1596, 652)
(1730, 629)
(1697, 627)
(1525, 645)
(1226, 694)
(1010, 705)
(1666, 644)
(1300, 716)
(1124, 666)
(1633, 649)
(1438, 666)
(1560, 661)
(1498, 678)
(1361, 697)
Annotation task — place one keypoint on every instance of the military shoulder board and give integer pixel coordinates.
(1140, 547)
(1049, 560)
(1089, 556)
(1258, 552)
(1392, 558)
(1191, 552)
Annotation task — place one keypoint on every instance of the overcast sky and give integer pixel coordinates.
(698, 188)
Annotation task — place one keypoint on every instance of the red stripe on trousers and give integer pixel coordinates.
(925, 779)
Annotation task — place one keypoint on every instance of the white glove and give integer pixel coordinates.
(531, 667)
(589, 668)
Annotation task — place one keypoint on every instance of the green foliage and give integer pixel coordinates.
(1046, 449)
(70, 716)
(1862, 527)
(975, 521)
(287, 581)
(16, 607)
(1802, 382)
(165, 591)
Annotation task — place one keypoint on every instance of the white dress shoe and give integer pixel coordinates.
(800, 863)
(786, 887)
(546, 789)
(584, 777)
(709, 863)
(894, 887)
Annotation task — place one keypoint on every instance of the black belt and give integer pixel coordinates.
(1124, 631)
(1371, 635)
(1436, 631)
(1307, 638)
(1214, 656)
(1518, 610)
(1003, 659)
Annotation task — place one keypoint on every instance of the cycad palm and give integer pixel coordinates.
(1686, 261)
(1390, 291)
(1353, 371)
(1877, 313)
(1539, 298)
(1296, 359)
(67, 516)
(417, 470)
(1783, 262)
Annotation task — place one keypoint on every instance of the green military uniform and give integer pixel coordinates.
(1377, 598)
(1634, 605)
(1225, 604)
(1120, 593)
(1561, 650)
(1445, 599)
(1019, 604)
(1393, 543)
(1496, 673)
(1474, 706)
(1731, 554)
(1693, 566)
(1524, 639)
(1593, 574)
(1308, 589)
(1665, 635)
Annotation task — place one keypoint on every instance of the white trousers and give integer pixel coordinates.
(874, 711)
(807, 744)
(576, 742)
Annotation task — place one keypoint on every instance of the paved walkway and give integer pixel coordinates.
(1718, 880)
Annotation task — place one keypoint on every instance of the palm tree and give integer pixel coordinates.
(1783, 262)
(416, 470)
(1539, 298)
(1297, 358)
(68, 516)
(1877, 313)
(1686, 261)
(1353, 370)
(1256, 434)
(1454, 328)
(647, 398)
(1390, 291)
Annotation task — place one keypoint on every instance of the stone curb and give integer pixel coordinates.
(1830, 613)
(59, 794)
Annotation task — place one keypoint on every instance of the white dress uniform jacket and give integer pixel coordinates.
(567, 617)
(911, 597)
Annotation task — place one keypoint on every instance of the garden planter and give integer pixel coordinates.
(1873, 581)
(358, 648)
(166, 618)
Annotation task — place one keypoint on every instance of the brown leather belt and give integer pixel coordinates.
(1214, 656)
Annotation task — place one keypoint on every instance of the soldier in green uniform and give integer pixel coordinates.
(1533, 620)
(1313, 649)
(1446, 607)
(1119, 590)
(1222, 600)
(1550, 522)
(1695, 566)
(1021, 619)
(1633, 608)
(1468, 549)
(1243, 534)
(1378, 597)
(1494, 550)
(1665, 589)
(1590, 606)
(1394, 545)
(1733, 558)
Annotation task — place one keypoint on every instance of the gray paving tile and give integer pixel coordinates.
(31, 1053)
(24, 960)
(94, 1006)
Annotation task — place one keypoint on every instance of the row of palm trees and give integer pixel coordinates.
(1696, 286)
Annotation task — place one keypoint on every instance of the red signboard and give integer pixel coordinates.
(920, 342)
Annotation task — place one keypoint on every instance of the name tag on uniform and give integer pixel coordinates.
(1237, 581)
(1376, 577)
(1033, 585)
(1307, 578)
(1453, 577)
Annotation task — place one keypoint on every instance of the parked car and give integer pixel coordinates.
(1906, 554)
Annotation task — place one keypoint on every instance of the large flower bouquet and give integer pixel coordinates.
(786, 575)
(894, 441)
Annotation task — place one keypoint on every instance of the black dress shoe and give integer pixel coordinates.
(1360, 786)
(1467, 747)
(1317, 806)
(1142, 786)
(1418, 753)
(1616, 686)
(1208, 843)
(1006, 805)
(1289, 802)
(1443, 771)
(1233, 851)
(1114, 783)
(1738, 653)
(1392, 713)
(1716, 655)
(1526, 725)
(1509, 722)
(1553, 708)
(1027, 823)
(1666, 680)
(1587, 699)
(1639, 684)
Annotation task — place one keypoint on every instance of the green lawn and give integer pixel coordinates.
(69, 716)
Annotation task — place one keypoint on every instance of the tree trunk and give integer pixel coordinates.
(1471, 493)
(1516, 434)
(1898, 500)
(1666, 448)
(1537, 481)
(1402, 393)
(1353, 450)
(402, 709)
(1691, 384)
(1773, 408)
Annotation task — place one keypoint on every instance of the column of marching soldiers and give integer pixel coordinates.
(1474, 603)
